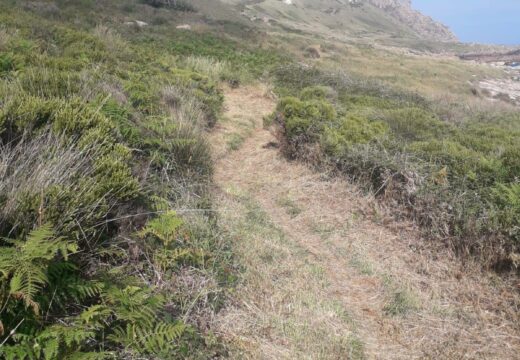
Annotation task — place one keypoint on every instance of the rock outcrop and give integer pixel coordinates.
(423, 25)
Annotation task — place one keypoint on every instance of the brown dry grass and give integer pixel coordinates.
(329, 275)
(33, 165)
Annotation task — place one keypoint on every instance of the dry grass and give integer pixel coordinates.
(31, 166)
(242, 111)
(210, 67)
(400, 297)
(185, 109)
(454, 108)
(4, 38)
(429, 74)
(112, 40)
(282, 308)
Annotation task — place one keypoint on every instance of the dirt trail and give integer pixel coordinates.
(327, 275)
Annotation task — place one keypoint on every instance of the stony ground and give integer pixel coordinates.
(504, 89)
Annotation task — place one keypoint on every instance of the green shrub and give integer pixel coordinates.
(84, 48)
(318, 93)
(9, 62)
(506, 198)
(143, 95)
(416, 124)
(351, 130)
(179, 5)
(511, 161)
(450, 176)
(240, 56)
(25, 113)
(486, 138)
(50, 83)
(305, 117)
(351, 102)
(120, 116)
(461, 163)
(88, 143)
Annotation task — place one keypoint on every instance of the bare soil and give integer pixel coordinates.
(326, 273)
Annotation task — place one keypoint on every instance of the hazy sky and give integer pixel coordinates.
(484, 21)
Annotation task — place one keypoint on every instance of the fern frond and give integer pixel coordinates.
(91, 356)
(28, 262)
(134, 304)
(66, 284)
(68, 336)
(25, 284)
(159, 203)
(161, 338)
(154, 340)
(51, 349)
(42, 244)
(7, 263)
(165, 227)
(166, 259)
(95, 314)
(17, 352)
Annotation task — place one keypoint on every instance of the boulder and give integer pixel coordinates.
(136, 23)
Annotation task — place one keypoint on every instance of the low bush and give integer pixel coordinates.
(458, 179)
(351, 130)
(9, 62)
(318, 92)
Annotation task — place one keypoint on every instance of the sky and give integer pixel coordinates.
(482, 21)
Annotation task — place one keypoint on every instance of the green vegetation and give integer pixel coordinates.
(457, 177)
(109, 243)
(104, 175)
(290, 206)
(401, 303)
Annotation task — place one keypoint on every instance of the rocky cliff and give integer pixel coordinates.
(423, 25)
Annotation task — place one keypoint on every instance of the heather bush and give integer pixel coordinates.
(318, 92)
(351, 130)
(458, 179)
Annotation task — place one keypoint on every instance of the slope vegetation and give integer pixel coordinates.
(145, 213)
(109, 246)
(328, 274)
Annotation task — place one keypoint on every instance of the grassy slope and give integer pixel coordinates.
(328, 274)
(453, 167)
(375, 83)
(129, 106)
(366, 22)
(112, 246)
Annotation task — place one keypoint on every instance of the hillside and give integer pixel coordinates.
(202, 179)
(426, 27)
(372, 19)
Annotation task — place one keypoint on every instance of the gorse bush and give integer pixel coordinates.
(351, 130)
(458, 179)
(101, 136)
